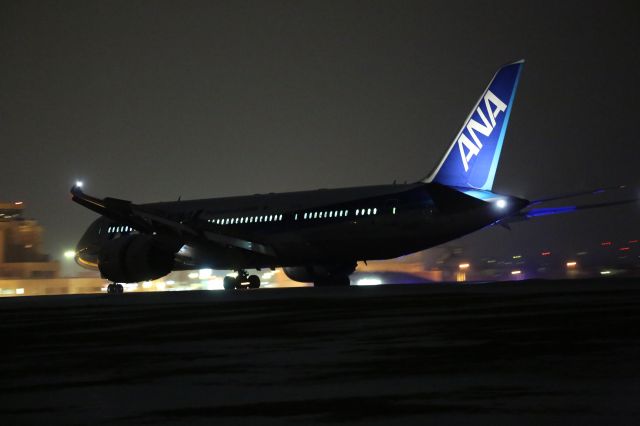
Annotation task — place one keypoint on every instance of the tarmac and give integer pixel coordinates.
(526, 353)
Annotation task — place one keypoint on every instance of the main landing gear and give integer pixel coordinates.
(115, 288)
(243, 280)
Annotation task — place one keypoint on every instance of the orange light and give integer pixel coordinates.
(18, 203)
(571, 264)
(463, 266)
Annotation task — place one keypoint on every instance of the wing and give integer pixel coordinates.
(148, 221)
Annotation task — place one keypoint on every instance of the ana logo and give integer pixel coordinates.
(468, 148)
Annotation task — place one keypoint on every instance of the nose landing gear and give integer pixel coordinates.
(243, 280)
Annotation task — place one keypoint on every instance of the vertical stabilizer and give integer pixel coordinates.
(472, 158)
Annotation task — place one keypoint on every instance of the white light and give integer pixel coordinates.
(215, 284)
(605, 272)
(19, 290)
(79, 183)
(193, 275)
(369, 281)
(160, 286)
(464, 266)
(267, 275)
(147, 284)
(69, 254)
(516, 272)
(130, 286)
(171, 282)
(501, 204)
(204, 274)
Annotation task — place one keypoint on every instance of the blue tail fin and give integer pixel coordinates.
(472, 158)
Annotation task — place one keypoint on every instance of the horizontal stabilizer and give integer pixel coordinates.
(569, 209)
(596, 191)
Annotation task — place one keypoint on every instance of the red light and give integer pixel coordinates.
(633, 241)
(605, 243)
(624, 248)
(546, 253)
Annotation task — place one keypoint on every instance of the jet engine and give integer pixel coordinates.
(134, 258)
(321, 274)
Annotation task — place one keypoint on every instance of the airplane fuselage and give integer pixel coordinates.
(325, 226)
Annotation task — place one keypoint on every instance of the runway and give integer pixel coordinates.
(531, 353)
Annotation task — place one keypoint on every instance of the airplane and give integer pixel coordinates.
(317, 236)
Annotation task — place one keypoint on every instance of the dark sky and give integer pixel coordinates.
(151, 100)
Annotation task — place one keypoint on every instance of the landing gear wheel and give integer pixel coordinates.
(115, 288)
(229, 283)
(254, 281)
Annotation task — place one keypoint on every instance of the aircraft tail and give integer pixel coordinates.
(472, 159)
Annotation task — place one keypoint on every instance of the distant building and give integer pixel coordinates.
(21, 246)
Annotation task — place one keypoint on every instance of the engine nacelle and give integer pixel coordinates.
(318, 273)
(134, 258)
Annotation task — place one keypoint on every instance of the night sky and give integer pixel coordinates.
(153, 100)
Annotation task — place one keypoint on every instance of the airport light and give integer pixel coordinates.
(369, 281)
(572, 264)
(605, 272)
(501, 203)
(268, 275)
(69, 254)
(464, 266)
(215, 284)
(516, 272)
(205, 273)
